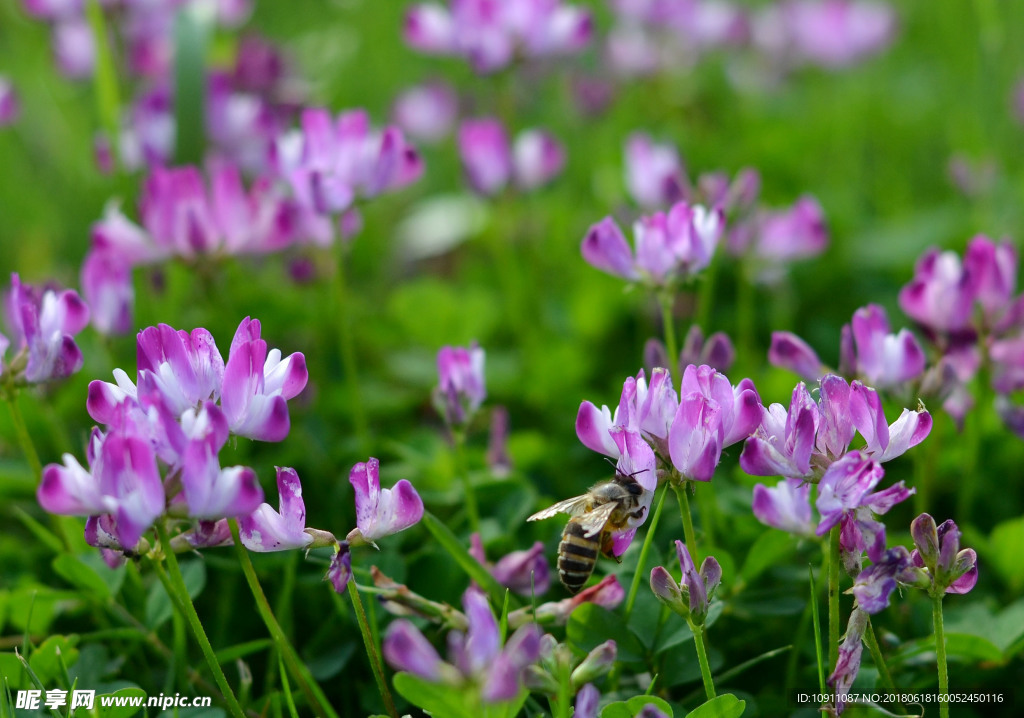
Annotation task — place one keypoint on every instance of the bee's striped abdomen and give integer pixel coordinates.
(577, 555)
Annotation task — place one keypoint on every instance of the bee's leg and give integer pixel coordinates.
(607, 546)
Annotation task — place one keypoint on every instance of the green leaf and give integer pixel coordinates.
(191, 31)
(120, 711)
(628, 709)
(724, 706)
(44, 660)
(73, 570)
(159, 606)
(590, 625)
(959, 647)
(470, 565)
(435, 698)
(770, 549)
(45, 536)
(12, 670)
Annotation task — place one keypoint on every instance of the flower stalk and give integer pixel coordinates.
(833, 597)
(940, 654)
(174, 583)
(317, 700)
(634, 588)
(702, 656)
(371, 650)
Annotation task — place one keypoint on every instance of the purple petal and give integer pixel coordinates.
(538, 158)
(606, 248)
(486, 155)
(844, 486)
(836, 429)
(71, 490)
(406, 649)
(926, 540)
(869, 418)
(587, 701)
(525, 572)
(339, 573)
(787, 506)
(382, 512)
(127, 470)
(695, 438)
(482, 643)
(967, 561)
(269, 530)
(665, 587)
(789, 351)
(592, 427)
(906, 432)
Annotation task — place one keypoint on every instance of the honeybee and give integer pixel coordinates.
(606, 508)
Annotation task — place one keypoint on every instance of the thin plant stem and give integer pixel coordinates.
(817, 635)
(883, 670)
(349, 364)
(833, 598)
(668, 326)
(634, 588)
(24, 438)
(317, 700)
(371, 649)
(940, 655)
(702, 656)
(174, 582)
(684, 511)
(461, 468)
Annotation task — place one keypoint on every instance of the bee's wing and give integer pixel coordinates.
(594, 521)
(574, 507)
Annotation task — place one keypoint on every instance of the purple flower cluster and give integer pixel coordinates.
(491, 34)
(810, 443)
(690, 596)
(937, 565)
(868, 350)
(491, 162)
(477, 660)
(652, 36)
(656, 177)
(968, 311)
(461, 389)
(158, 452)
(41, 325)
(668, 247)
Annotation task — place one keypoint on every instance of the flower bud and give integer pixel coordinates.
(926, 539)
(667, 590)
(598, 662)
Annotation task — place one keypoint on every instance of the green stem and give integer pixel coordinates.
(174, 582)
(108, 94)
(817, 635)
(702, 656)
(317, 700)
(472, 511)
(371, 649)
(667, 299)
(940, 655)
(348, 357)
(883, 670)
(684, 511)
(744, 313)
(833, 598)
(634, 588)
(24, 438)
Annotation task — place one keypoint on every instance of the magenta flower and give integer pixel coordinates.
(42, 324)
(490, 36)
(689, 597)
(122, 481)
(329, 162)
(868, 349)
(524, 572)
(806, 440)
(716, 351)
(381, 512)
(461, 389)
(831, 33)
(668, 247)
(491, 163)
(587, 701)
(875, 584)
(655, 174)
(782, 236)
(937, 550)
(607, 593)
(846, 494)
(712, 415)
(268, 530)
(182, 368)
(74, 48)
(10, 104)
(258, 384)
(426, 112)
(478, 661)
